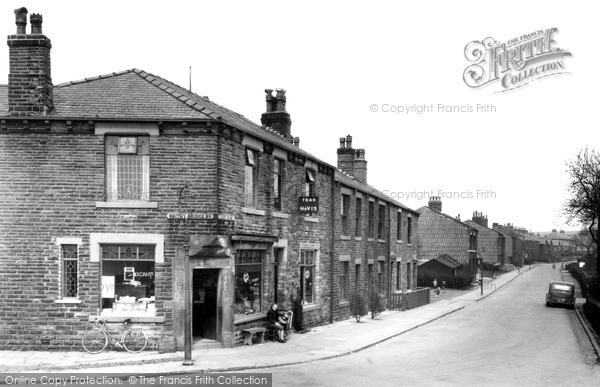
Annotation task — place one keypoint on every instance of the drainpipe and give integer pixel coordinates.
(332, 253)
(389, 256)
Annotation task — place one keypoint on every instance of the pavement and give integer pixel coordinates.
(320, 343)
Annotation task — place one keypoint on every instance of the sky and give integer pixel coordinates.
(356, 68)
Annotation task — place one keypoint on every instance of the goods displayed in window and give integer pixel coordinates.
(248, 280)
(128, 280)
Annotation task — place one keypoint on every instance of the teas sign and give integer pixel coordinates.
(308, 205)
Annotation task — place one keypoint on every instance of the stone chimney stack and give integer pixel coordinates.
(480, 219)
(435, 203)
(276, 117)
(346, 155)
(29, 78)
(360, 166)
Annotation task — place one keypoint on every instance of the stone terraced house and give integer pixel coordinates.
(108, 184)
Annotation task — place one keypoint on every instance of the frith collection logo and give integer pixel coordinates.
(516, 62)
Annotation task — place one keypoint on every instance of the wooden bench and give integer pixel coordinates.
(249, 333)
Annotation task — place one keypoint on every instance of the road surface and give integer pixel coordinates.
(509, 338)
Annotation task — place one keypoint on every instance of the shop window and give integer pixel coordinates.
(344, 281)
(251, 177)
(127, 168)
(307, 275)
(248, 281)
(69, 258)
(128, 280)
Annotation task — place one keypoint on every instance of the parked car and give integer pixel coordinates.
(561, 293)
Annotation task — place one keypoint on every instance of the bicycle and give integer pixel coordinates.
(96, 339)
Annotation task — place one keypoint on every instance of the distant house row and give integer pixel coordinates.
(457, 245)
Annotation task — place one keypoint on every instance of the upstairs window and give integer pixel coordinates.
(127, 168)
(399, 226)
(345, 209)
(251, 177)
(409, 230)
(277, 183)
(309, 186)
(371, 219)
(358, 217)
(381, 222)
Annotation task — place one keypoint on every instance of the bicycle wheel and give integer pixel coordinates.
(94, 340)
(134, 340)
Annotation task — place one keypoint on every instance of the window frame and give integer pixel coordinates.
(251, 157)
(63, 262)
(278, 180)
(310, 180)
(358, 216)
(239, 255)
(399, 225)
(311, 266)
(371, 219)
(345, 210)
(380, 270)
(381, 221)
(112, 167)
(409, 230)
(344, 265)
(150, 312)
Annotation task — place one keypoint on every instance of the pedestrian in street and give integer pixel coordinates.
(276, 322)
(436, 291)
(554, 266)
(443, 286)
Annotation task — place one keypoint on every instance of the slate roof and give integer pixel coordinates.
(446, 260)
(366, 188)
(136, 95)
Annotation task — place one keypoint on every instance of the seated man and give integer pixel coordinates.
(276, 322)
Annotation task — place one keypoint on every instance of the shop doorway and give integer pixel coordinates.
(204, 303)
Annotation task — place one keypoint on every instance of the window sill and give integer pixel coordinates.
(399, 241)
(281, 215)
(381, 240)
(132, 319)
(68, 301)
(344, 303)
(409, 244)
(311, 219)
(345, 237)
(310, 307)
(358, 238)
(127, 204)
(249, 317)
(253, 211)
(370, 240)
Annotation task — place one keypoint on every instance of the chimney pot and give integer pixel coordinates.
(435, 203)
(296, 141)
(36, 23)
(348, 141)
(342, 143)
(21, 20)
(276, 116)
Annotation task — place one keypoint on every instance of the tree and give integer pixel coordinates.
(375, 304)
(584, 239)
(583, 204)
